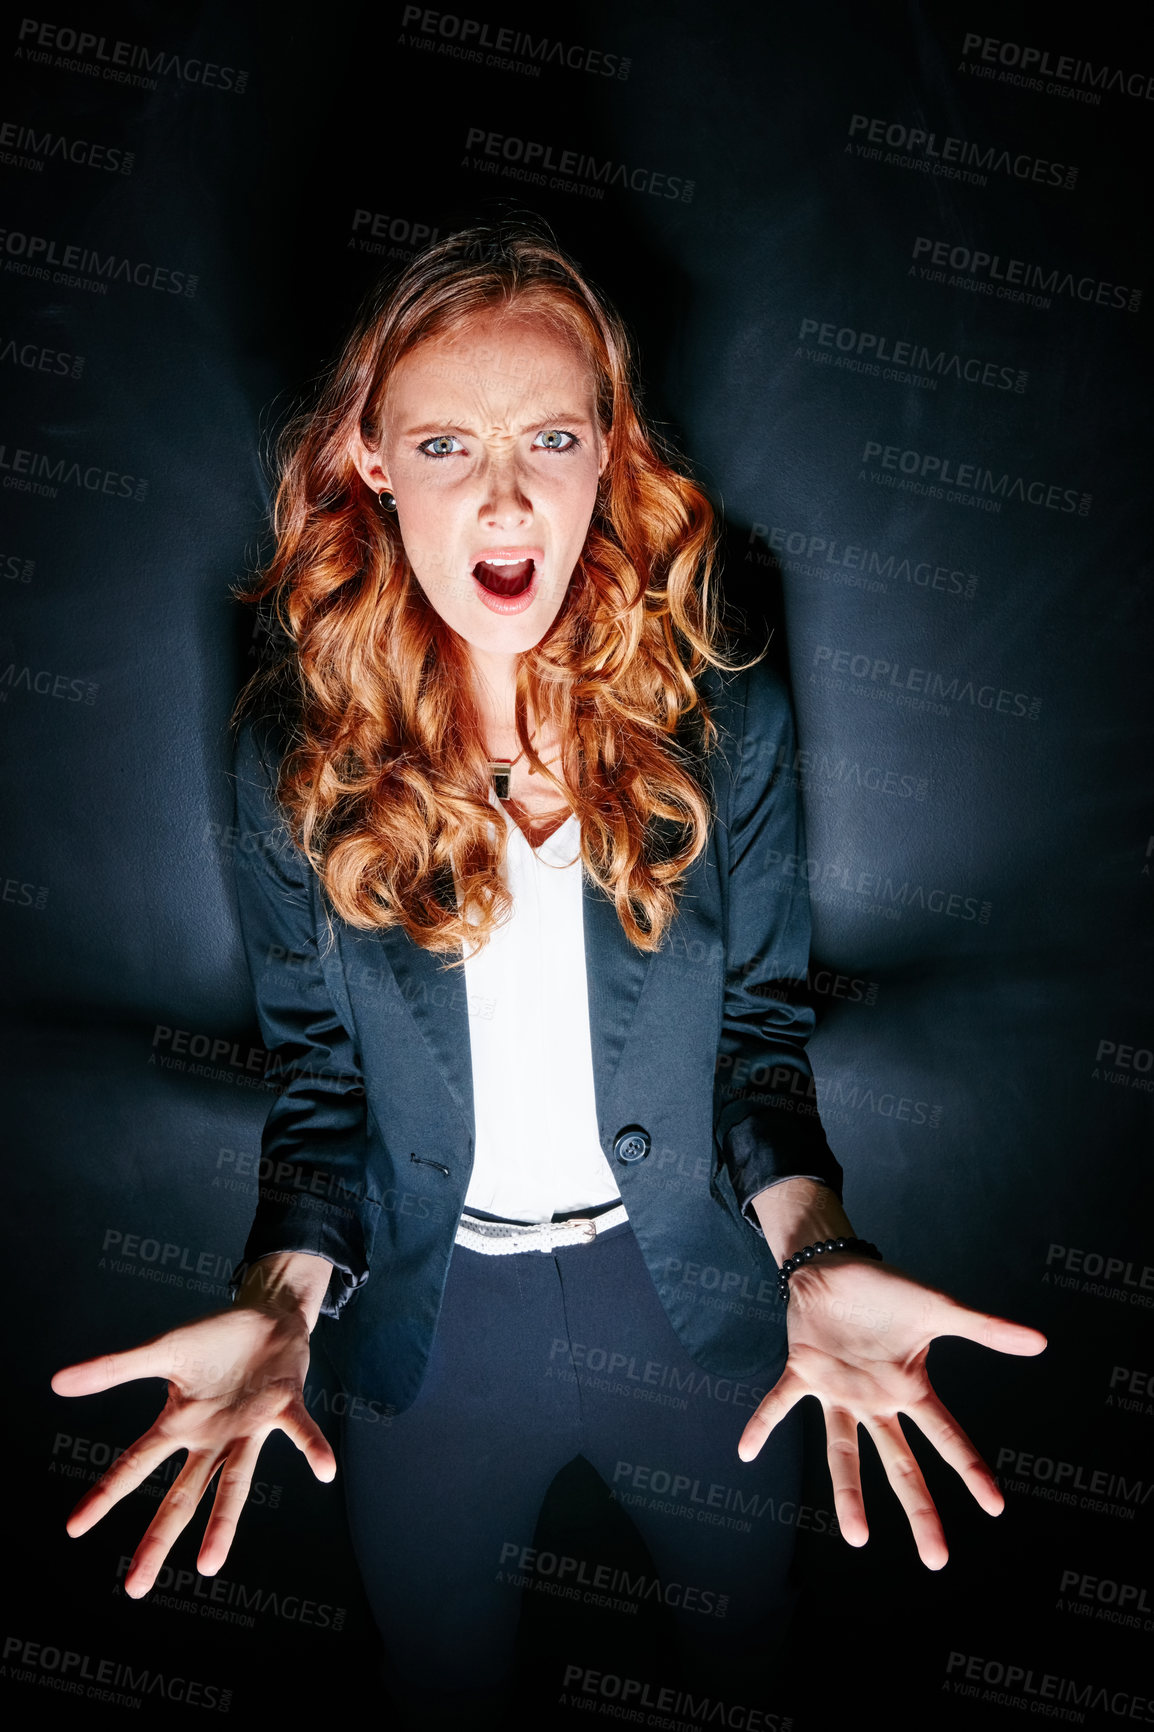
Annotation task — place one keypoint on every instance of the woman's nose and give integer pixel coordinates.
(505, 497)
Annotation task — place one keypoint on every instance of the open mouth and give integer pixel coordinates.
(504, 577)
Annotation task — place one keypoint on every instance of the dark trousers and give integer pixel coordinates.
(539, 1358)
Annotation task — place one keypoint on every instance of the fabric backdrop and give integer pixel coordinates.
(889, 273)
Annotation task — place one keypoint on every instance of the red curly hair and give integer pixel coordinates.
(384, 779)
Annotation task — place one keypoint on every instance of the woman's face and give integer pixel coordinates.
(492, 451)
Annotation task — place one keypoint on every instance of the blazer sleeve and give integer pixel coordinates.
(765, 1104)
(312, 1185)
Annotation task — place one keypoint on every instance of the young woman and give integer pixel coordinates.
(548, 1133)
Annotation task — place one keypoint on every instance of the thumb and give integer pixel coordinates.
(91, 1376)
(998, 1333)
(782, 1398)
(299, 1425)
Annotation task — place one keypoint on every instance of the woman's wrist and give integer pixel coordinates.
(797, 1212)
(284, 1282)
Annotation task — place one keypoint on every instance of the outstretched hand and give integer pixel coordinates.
(859, 1334)
(233, 1377)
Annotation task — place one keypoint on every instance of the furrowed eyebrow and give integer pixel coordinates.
(559, 418)
(436, 427)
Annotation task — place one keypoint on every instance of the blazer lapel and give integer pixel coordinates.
(437, 1001)
(615, 972)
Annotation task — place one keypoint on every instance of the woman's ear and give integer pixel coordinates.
(367, 464)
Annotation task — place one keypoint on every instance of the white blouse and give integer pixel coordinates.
(538, 1153)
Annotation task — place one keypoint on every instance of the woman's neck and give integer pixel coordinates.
(532, 801)
(495, 691)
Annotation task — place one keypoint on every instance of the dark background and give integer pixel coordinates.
(980, 859)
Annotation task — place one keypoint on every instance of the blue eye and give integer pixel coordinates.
(441, 445)
(555, 433)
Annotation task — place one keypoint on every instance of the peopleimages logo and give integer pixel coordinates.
(1115, 1271)
(944, 477)
(519, 1565)
(1056, 74)
(209, 1596)
(869, 567)
(891, 675)
(49, 260)
(106, 1680)
(380, 232)
(820, 875)
(117, 61)
(504, 48)
(569, 170)
(1105, 1600)
(1098, 1480)
(914, 147)
(38, 358)
(24, 147)
(663, 1704)
(46, 684)
(1019, 1686)
(902, 358)
(1018, 279)
(23, 470)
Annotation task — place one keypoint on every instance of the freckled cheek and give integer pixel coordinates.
(570, 505)
(429, 551)
(434, 531)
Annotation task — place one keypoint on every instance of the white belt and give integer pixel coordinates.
(500, 1238)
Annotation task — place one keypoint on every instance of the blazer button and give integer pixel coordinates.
(632, 1144)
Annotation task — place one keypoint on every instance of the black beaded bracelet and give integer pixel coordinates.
(809, 1252)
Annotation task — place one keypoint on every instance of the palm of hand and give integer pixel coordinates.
(233, 1378)
(859, 1338)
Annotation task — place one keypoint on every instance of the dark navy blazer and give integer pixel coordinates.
(703, 1087)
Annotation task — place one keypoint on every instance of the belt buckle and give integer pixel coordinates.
(580, 1230)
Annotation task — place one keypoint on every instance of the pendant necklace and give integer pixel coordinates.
(500, 769)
